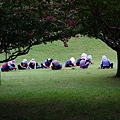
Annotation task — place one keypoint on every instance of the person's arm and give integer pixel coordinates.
(35, 66)
(28, 66)
(44, 64)
(22, 66)
(71, 64)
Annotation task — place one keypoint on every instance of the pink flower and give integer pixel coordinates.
(30, 34)
(71, 22)
(66, 45)
(49, 17)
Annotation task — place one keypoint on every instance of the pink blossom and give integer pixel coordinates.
(49, 17)
(30, 34)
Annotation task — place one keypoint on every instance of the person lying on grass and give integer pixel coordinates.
(70, 62)
(89, 59)
(46, 63)
(33, 64)
(79, 59)
(8, 66)
(84, 62)
(23, 65)
(56, 65)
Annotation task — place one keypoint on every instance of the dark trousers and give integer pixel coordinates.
(103, 67)
(6, 68)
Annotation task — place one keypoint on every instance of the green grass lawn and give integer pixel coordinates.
(67, 94)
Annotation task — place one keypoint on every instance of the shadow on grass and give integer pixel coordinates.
(64, 110)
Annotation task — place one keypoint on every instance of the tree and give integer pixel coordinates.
(25, 23)
(99, 19)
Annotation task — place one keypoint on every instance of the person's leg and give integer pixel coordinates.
(60, 66)
(86, 65)
(101, 66)
(111, 65)
(53, 67)
(106, 67)
(20, 68)
(6, 68)
(67, 65)
(13, 67)
(77, 64)
(38, 67)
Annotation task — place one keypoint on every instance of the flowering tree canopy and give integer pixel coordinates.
(25, 23)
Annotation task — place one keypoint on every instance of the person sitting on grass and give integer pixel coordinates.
(70, 62)
(56, 65)
(46, 63)
(8, 66)
(78, 62)
(84, 55)
(105, 63)
(33, 64)
(89, 59)
(12, 63)
(23, 65)
(83, 63)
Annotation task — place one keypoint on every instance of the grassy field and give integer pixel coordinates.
(67, 94)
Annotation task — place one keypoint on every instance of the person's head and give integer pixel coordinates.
(24, 61)
(104, 58)
(84, 55)
(32, 61)
(9, 63)
(50, 60)
(13, 61)
(23, 64)
(89, 57)
(72, 59)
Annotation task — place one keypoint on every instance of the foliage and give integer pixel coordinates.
(24, 24)
(28, 23)
(99, 19)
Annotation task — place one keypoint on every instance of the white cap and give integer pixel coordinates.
(72, 59)
(24, 60)
(89, 57)
(84, 55)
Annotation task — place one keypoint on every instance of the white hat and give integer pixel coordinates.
(24, 60)
(13, 61)
(32, 59)
(10, 62)
(89, 57)
(84, 55)
(104, 58)
(72, 59)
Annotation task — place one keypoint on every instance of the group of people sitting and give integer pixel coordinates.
(32, 64)
(83, 62)
(8, 66)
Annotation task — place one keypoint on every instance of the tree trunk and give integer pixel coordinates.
(118, 65)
